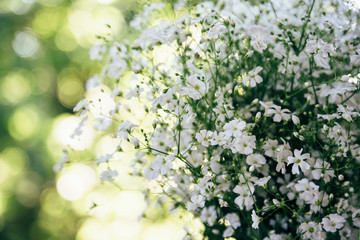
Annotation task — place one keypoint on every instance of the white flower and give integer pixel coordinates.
(255, 219)
(295, 119)
(333, 222)
(245, 198)
(298, 161)
(310, 230)
(320, 50)
(104, 158)
(60, 164)
(124, 129)
(347, 113)
(97, 52)
(255, 160)
(102, 123)
(243, 143)
(355, 57)
(345, 233)
(209, 215)
(259, 37)
(356, 218)
(82, 105)
(215, 31)
(228, 232)
(116, 67)
(234, 126)
(79, 129)
(262, 181)
(204, 137)
(219, 139)
(322, 169)
(270, 147)
(307, 189)
(253, 77)
(234, 220)
(135, 141)
(94, 81)
(283, 152)
(197, 201)
(109, 175)
(279, 113)
(195, 87)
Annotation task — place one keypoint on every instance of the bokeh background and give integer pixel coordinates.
(44, 63)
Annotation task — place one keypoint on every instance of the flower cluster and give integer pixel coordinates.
(250, 114)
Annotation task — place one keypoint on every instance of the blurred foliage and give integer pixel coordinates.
(43, 65)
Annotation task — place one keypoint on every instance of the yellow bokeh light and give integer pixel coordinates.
(24, 123)
(163, 231)
(50, 3)
(65, 41)
(95, 229)
(69, 91)
(80, 22)
(15, 87)
(51, 203)
(75, 181)
(2, 203)
(46, 21)
(44, 76)
(15, 159)
(86, 21)
(125, 204)
(4, 171)
(27, 192)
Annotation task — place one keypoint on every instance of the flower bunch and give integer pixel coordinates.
(249, 114)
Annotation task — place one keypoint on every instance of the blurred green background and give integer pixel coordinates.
(44, 63)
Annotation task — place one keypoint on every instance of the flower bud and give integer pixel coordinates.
(255, 101)
(341, 177)
(135, 141)
(295, 119)
(258, 115)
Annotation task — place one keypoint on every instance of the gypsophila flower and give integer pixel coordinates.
(298, 160)
(196, 88)
(252, 77)
(245, 199)
(262, 181)
(104, 158)
(279, 114)
(102, 123)
(234, 220)
(209, 215)
(333, 222)
(82, 105)
(356, 218)
(109, 175)
(97, 52)
(310, 230)
(92, 82)
(255, 160)
(197, 201)
(218, 104)
(60, 163)
(255, 220)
